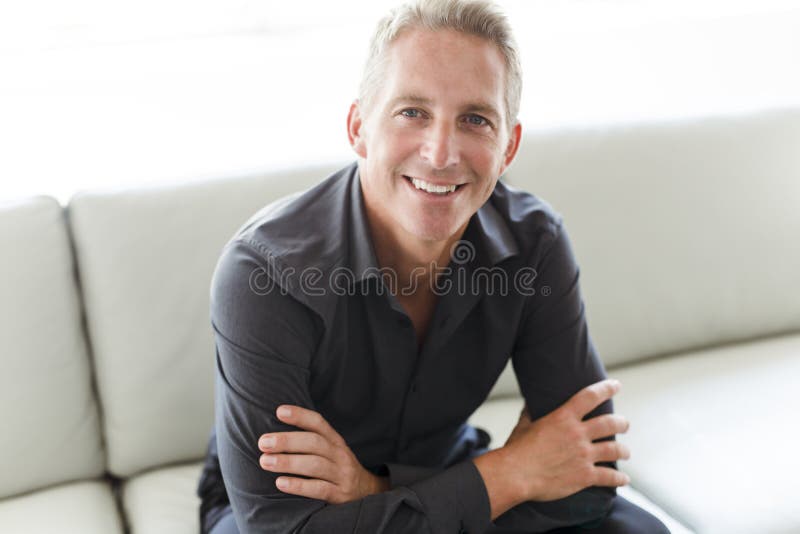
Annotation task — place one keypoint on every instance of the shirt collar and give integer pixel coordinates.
(363, 260)
(492, 230)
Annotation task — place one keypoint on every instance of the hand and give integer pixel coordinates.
(555, 455)
(335, 475)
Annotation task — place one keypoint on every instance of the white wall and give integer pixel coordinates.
(98, 93)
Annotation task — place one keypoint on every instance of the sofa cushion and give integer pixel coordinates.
(686, 231)
(78, 508)
(499, 417)
(145, 259)
(714, 437)
(163, 501)
(50, 427)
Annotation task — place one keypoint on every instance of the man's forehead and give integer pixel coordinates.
(471, 67)
(442, 47)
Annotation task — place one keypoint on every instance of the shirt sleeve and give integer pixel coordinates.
(475, 441)
(553, 359)
(404, 475)
(265, 341)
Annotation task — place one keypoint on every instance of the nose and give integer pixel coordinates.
(440, 148)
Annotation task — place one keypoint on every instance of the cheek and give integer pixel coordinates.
(400, 143)
(485, 160)
(389, 156)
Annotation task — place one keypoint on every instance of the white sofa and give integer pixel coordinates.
(688, 237)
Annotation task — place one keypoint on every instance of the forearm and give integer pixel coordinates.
(446, 502)
(380, 484)
(496, 468)
(583, 508)
(511, 510)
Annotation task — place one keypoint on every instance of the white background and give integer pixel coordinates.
(121, 93)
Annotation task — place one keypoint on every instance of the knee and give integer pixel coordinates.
(627, 518)
(650, 524)
(224, 523)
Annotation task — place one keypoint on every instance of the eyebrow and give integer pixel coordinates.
(473, 107)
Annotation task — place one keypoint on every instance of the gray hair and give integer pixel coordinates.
(474, 17)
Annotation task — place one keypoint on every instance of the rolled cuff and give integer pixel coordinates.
(456, 499)
(405, 475)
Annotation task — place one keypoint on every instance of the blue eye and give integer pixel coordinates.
(477, 120)
(411, 113)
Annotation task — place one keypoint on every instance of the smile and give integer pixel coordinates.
(434, 189)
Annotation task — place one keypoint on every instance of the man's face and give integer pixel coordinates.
(438, 119)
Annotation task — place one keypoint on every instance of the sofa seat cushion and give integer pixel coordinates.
(80, 507)
(499, 416)
(714, 436)
(163, 501)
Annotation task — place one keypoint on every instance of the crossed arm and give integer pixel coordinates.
(542, 460)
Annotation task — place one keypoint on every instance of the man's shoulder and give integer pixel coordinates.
(530, 219)
(304, 229)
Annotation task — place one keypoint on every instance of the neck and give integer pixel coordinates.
(410, 256)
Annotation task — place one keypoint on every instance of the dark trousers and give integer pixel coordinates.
(225, 524)
(624, 518)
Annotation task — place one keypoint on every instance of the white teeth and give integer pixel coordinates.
(431, 188)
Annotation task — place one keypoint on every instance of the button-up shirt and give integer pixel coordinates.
(303, 314)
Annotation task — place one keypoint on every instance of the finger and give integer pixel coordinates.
(296, 442)
(610, 451)
(606, 425)
(606, 476)
(311, 488)
(592, 396)
(309, 465)
(308, 420)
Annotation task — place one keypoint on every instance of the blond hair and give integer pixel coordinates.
(473, 17)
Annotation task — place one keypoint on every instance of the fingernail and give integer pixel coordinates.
(267, 443)
(627, 479)
(283, 411)
(269, 460)
(281, 483)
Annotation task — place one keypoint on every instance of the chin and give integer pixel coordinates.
(433, 232)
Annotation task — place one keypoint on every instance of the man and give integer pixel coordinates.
(355, 335)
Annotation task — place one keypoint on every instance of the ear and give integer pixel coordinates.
(354, 131)
(512, 147)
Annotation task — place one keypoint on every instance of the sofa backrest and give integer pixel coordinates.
(50, 426)
(145, 260)
(687, 232)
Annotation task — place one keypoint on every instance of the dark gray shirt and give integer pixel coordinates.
(303, 315)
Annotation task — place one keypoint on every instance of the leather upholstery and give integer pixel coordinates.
(50, 427)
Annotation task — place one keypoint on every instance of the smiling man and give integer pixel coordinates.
(360, 324)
